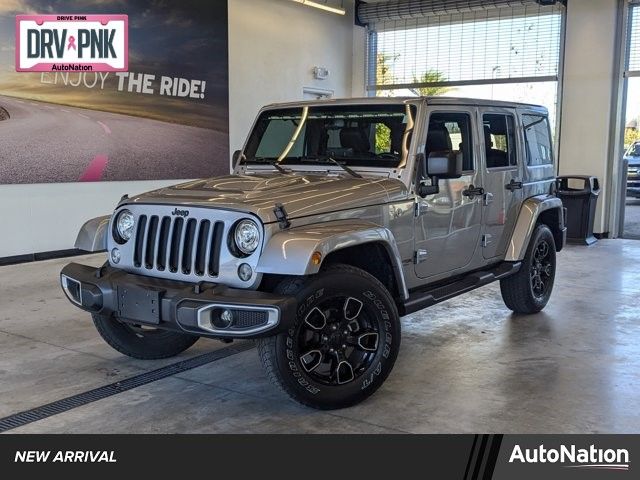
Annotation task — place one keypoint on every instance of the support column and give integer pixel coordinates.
(591, 96)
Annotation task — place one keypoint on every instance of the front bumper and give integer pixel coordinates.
(180, 306)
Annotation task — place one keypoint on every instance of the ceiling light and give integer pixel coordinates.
(322, 6)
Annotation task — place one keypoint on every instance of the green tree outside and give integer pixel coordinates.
(631, 135)
(384, 76)
(430, 76)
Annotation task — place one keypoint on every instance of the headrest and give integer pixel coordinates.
(488, 143)
(355, 138)
(496, 123)
(438, 139)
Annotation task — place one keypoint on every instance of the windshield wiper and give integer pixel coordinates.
(334, 162)
(271, 162)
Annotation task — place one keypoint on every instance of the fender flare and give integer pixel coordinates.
(92, 236)
(289, 252)
(526, 223)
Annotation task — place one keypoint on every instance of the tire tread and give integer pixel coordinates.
(267, 346)
(515, 289)
(164, 344)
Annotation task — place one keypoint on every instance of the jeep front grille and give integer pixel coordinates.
(185, 243)
(189, 246)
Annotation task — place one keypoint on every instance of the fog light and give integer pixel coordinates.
(245, 272)
(115, 255)
(221, 318)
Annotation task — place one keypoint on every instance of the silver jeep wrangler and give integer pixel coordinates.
(340, 217)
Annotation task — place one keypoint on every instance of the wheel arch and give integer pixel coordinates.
(361, 244)
(92, 236)
(545, 209)
(375, 259)
(554, 219)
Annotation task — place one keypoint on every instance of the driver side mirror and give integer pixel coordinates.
(439, 166)
(235, 159)
(444, 165)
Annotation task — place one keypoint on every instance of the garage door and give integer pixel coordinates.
(501, 49)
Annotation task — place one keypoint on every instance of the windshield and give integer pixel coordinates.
(354, 135)
(634, 150)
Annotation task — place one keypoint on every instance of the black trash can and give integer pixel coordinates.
(579, 195)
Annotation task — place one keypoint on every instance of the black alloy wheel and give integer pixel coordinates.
(337, 340)
(541, 273)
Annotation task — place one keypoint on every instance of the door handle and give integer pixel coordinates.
(513, 185)
(472, 191)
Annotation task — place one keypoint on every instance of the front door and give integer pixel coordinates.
(448, 224)
(502, 179)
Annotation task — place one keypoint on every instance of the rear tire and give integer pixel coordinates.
(529, 290)
(141, 342)
(343, 342)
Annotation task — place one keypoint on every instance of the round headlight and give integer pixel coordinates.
(247, 236)
(124, 225)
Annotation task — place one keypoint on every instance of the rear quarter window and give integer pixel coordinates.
(538, 140)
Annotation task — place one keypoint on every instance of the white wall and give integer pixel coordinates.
(588, 93)
(359, 62)
(273, 46)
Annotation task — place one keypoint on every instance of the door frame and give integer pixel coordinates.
(427, 204)
(518, 169)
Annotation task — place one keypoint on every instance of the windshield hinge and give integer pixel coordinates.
(419, 208)
(281, 216)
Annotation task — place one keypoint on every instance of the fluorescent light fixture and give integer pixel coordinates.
(322, 6)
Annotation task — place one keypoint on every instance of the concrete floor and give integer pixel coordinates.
(466, 365)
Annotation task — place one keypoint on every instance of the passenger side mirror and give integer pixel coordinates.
(439, 165)
(235, 159)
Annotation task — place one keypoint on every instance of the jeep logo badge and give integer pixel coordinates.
(180, 213)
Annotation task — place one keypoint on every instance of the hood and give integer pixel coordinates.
(300, 194)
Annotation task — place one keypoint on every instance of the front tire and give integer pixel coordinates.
(343, 342)
(140, 342)
(529, 290)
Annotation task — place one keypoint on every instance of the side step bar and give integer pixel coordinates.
(439, 293)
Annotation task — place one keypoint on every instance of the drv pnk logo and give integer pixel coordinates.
(50, 43)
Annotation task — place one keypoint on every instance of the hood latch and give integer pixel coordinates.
(281, 216)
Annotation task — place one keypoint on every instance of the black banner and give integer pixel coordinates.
(464, 457)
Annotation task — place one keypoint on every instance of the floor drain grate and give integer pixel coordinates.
(75, 401)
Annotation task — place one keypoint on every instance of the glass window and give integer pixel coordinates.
(277, 133)
(499, 140)
(538, 138)
(633, 150)
(451, 132)
(357, 135)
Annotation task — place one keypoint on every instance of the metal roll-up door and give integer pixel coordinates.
(383, 11)
(434, 46)
(632, 67)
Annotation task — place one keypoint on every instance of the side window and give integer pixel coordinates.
(538, 138)
(499, 140)
(451, 132)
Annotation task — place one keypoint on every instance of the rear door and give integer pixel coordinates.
(448, 224)
(502, 171)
